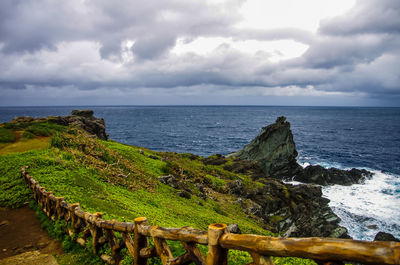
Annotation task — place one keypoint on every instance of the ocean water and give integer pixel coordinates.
(342, 137)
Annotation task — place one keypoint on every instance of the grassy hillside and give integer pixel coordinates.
(120, 181)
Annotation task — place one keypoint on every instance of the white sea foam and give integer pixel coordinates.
(374, 204)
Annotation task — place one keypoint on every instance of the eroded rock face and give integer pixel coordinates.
(273, 149)
(296, 210)
(85, 120)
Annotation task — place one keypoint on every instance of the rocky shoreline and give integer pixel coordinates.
(269, 159)
(303, 210)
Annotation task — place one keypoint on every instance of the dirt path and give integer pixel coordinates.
(21, 232)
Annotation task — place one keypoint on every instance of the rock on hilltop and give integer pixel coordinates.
(85, 120)
(79, 118)
(274, 150)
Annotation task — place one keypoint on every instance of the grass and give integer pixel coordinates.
(6, 135)
(121, 181)
(25, 145)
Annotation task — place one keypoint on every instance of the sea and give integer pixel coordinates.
(342, 137)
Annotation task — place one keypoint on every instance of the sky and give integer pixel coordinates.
(200, 52)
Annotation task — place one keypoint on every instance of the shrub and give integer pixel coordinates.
(27, 135)
(6, 136)
(61, 141)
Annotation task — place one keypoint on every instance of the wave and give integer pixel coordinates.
(365, 208)
(368, 208)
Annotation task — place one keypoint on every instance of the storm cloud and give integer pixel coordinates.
(127, 52)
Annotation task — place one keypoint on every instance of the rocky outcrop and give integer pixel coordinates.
(273, 149)
(293, 210)
(383, 236)
(83, 119)
(322, 176)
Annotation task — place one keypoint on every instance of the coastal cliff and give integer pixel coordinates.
(237, 190)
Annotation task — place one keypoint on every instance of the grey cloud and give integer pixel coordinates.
(367, 16)
(357, 52)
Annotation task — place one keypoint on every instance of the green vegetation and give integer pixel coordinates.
(75, 254)
(6, 136)
(120, 181)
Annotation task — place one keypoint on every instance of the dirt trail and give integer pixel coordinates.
(21, 232)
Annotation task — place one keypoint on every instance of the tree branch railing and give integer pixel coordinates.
(134, 237)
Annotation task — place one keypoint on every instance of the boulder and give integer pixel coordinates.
(383, 236)
(235, 187)
(169, 180)
(233, 228)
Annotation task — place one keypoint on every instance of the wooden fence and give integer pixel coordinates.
(261, 248)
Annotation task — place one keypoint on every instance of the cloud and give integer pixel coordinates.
(366, 17)
(86, 48)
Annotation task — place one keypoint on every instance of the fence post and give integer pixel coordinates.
(139, 241)
(216, 255)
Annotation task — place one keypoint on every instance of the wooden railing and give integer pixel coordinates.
(134, 237)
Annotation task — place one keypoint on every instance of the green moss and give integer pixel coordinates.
(276, 218)
(218, 182)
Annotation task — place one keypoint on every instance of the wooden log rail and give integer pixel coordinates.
(135, 238)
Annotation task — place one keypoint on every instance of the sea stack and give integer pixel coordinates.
(274, 150)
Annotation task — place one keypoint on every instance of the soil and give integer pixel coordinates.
(20, 232)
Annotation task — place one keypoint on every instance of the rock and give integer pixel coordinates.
(383, 236)
(254, 209)
(184, 194)
(170, 180)
(83, 119)
(292, 229)
(322, 176)
(340, 232)
(233, 228)
(274, 152)
(373, 227)
(215, 160)
(83, 113)
(22, 119)
(107, 259)
(236, 187)
(292, 210)
(273, 149)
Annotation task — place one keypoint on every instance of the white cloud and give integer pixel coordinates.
(273, 50)
(305, 14)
